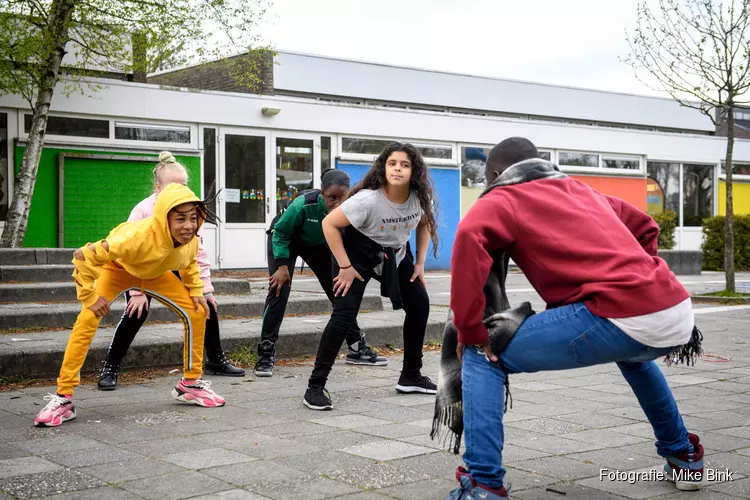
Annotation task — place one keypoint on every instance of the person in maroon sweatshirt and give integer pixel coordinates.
(593, 259)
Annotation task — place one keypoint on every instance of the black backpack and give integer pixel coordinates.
(311, 198)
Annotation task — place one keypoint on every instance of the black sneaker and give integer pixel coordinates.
(219, 365)
(266, 359)
(108, 376)
(362, 354)
(415, 384)
(318, 398)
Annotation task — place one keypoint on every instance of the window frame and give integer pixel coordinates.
(149, 125)
(735, 177)
(600, 169)
(368, 158)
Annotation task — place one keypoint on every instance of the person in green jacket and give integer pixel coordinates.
(298, 232)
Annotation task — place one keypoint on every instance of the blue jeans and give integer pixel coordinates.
(560, 339)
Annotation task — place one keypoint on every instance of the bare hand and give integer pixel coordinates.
(212, 300)
(279, 279)
(199, 302)
(487, 347)
(419, 274)
(344, 280)
(136, 303)
(100, 307)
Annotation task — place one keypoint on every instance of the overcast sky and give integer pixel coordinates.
(574, 42)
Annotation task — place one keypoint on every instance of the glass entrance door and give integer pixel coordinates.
(296, 167)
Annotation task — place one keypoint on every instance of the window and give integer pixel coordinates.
(64, 125)
(698, 194)
(209, 166)
(578, 159)
(152, 133)
(663, 188)
(374, 147)
(742, 115)
(245, 178)
(325, 153)
(473, 160)
(545, 155)
(294, 169)
(737, 168)
(4, 172)
(621, 164)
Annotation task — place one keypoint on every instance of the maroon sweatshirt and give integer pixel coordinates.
(573, 243)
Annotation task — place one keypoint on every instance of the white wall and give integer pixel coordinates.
(146, 102)
(322, 75)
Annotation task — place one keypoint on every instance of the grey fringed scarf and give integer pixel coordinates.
(502, 322)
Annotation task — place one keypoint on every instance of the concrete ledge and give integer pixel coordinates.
(40, 354)
(34, 256)
(683, 262)
(38, 315)
(52, 292)
(38, 273)
(711, 299)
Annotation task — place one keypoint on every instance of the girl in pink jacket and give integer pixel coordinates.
(168, 171)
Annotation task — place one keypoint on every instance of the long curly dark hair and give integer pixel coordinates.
(421, 183)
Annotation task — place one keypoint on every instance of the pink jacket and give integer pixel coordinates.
(146, 209)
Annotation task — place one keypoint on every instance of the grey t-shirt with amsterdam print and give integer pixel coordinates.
(386, 223)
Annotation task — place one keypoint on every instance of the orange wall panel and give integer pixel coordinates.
(632, 190)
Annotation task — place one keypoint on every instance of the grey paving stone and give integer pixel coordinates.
(553, 445)
(272, 448)
(559, 467)
(572, 491)
(640, 429)
(725, 418)
(434, 489)
(742, 432)
(619, 458)
(716, 441)
(92, 456)
(595, 420)
(295, 427)
(384, 450)
(365, 496)
(739, 464)
(740, 489)
(409, 399)
(705, 494)
(8, 452)
(116, 432)
(118, 472)
(58, 444)
(110, 493)
(629, 412)
(46, 484)
(169, 446)
(631, 489)
(26, 465)
(436, 465)
(333, 440)
(523, 480)
(324, 462)
(314, 489)
(207, 458)
(548, 426)
(682, 380)
(513, 453)
(394, 430)
(175, 486)
(350, 421)
(231, 495)
(378, 475)
(400, 414)
(253, 473)
(545, 410)
(427, 442)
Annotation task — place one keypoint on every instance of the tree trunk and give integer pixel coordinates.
(18, 213)
(139, 42)
(729, 219)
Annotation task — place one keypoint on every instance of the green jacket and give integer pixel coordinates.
(300, 224)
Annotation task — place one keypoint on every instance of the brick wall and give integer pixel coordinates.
(247, 73)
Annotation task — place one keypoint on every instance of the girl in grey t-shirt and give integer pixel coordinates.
(394, 199)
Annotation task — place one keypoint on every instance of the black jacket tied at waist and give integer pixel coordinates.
(365, 255)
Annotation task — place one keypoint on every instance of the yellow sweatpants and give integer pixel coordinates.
(167, 289)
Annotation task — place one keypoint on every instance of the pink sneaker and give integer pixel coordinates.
(59, 409)
(198, 392)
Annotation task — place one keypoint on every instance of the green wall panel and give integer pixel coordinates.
(99, 194)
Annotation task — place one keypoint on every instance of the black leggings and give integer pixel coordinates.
(318, 259)
(128, 327)
(345, 309)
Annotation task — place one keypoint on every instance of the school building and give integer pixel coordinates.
(261, 149)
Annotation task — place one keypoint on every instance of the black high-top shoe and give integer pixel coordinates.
(108, 376)
(266, 359)
(218, 364)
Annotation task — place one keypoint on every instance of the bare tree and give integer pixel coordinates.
(100, 36)
(699, 52)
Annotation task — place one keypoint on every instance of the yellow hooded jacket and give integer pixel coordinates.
(145, 249)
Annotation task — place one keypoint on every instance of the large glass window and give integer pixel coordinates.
(663, 188)
(4, 171)
(698, 193)
(737, 168)
(325, 153)
(209, 166)
(245, 178)
(578, 159)
(621, 164)
(65, 125)
(545, 155)
(152, 133)
(294, 169)
(374, 147)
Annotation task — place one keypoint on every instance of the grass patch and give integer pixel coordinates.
(729, 295)
(245, 356)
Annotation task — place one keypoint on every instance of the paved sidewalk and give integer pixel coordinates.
(564, 428)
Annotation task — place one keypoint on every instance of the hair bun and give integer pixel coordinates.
(324, 172)
(166, 157)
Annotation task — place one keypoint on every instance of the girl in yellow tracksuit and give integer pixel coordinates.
(140, 256)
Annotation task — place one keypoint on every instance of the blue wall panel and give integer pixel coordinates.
(448, 193)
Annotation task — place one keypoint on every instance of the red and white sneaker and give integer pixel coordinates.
(198, 392)
(59, 409)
